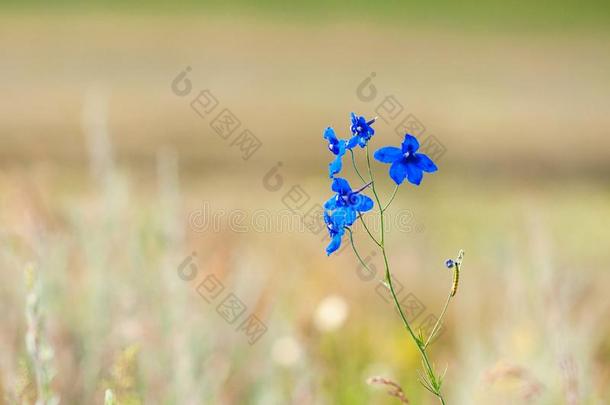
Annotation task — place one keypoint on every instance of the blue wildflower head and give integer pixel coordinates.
(362, 131)
(349, 201)
(449, 263)
(337, 147)
(406, 162)
(342, 209)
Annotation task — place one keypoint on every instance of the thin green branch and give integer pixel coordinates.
(367, 230)
(368, 165)
(391, 198)
(438, 321)
(351, 240)
(356, 166)
(360, 214)
(419, 343)
(451, 294)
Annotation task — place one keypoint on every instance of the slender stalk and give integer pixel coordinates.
(367, 230)
(356, 166)
(360, 215)
(440, 318)
(438, 321)
(368, 165)
(351, 239)
(391, 198)
(435, 385)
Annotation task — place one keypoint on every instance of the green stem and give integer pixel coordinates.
(368, 165)
(351, 239)
(356, 166)
(360, 215)
(391, 198)
(367, 230)
(418, 342)
(440, 318)
(438, 321)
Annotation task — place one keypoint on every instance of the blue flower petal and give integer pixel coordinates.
(350, 215)
(331, 204)
(327, 218)
(354, 118)
(335, 243)
(363, 203)
(414, 174)
(410, 144)
(335, 166)
(335, 145)
(339, 218)
(341, 186)
(353, 142)
(330, 135)
(424, 162)
(388, 154)
(345, 216)
(341, 147)
(338, 148)
(398, 171)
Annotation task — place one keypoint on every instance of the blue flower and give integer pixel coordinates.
(406, 162)
(347, 201)
(337, 147)
(335, 224)
(361, 131)
(344, 207)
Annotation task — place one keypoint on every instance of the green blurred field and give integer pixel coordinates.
(102, 167)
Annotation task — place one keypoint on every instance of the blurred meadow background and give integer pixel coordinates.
(127, 223)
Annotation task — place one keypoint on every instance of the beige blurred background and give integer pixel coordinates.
(110, 181)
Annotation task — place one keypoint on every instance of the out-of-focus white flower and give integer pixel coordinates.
(331, 313)
(286, 351)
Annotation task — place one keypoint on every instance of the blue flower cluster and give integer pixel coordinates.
(342, 210)
(361, 133)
